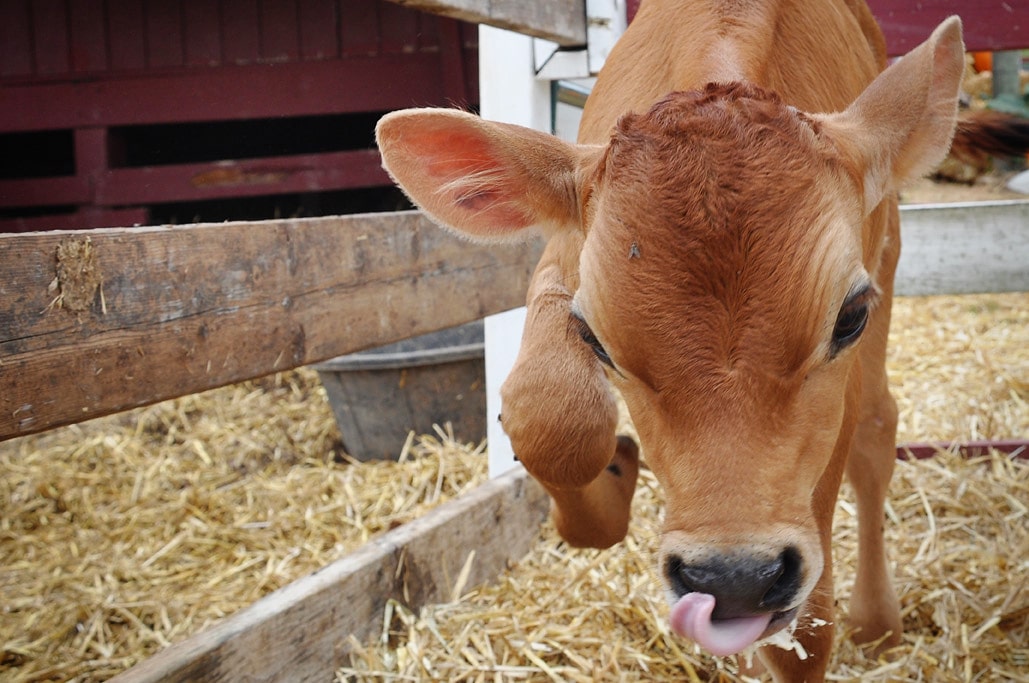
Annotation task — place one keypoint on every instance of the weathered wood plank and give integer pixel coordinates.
(562, 22)
(291, 89)
(94, 322)
(1016, 448)
(300, 632)
(234, 178)
(964, 248)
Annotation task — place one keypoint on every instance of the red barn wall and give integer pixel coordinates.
(85, 83)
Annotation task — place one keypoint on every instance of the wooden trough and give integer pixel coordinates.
(94, 322)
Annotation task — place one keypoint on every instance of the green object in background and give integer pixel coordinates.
(1007, 88)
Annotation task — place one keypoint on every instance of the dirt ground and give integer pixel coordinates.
(989, 187)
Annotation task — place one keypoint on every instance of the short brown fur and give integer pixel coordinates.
(733, 189)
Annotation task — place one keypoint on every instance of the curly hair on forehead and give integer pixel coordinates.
(721, 112)
(721, 156)
(721, 190)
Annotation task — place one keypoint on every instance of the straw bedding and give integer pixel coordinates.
(124, 534)
(958, 532)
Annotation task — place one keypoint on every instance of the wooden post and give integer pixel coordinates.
(508, 92)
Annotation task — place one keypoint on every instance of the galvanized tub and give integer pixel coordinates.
(380, 395)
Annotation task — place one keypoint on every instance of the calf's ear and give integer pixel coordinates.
(901, 126)
(481, 178)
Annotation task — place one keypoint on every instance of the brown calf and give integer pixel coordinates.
(721, 250)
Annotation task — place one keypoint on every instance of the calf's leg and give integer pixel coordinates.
(874, 608)
(560, 414)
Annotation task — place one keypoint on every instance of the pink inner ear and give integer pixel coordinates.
(492, 193)
(450, 154)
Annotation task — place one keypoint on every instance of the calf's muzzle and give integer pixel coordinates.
(728, 601)
(742, 585)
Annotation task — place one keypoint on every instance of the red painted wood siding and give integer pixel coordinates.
(989, 24)
(55, 38)
(72, 63)
(87, 73)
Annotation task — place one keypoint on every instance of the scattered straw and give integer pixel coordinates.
(122, 535)
(959, 367)
(575, 615)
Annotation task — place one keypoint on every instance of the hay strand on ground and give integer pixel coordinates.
(959, 536)
(124, 534)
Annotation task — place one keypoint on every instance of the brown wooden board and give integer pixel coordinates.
(94, 322)
(238, 178)
(1016, 448)
(562, 22)
(226, 94)
(301, 632)
(200, 181)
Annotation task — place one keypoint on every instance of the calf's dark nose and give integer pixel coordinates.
(742, 585)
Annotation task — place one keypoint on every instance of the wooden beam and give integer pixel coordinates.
(241, 178)
(331, 86)
(44, 191)
(94, 322)
(964, 248)
(203, 180)
(1015, 448)
(300, 632)
(562, 22)
(85, 217)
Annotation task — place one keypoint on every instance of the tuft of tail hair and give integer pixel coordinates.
(982, 134)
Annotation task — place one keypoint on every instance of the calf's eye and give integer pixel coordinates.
(598, 349)
(852, 319)
(586, 334)
(850, 325)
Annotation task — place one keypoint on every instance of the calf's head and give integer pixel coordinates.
(728, 266)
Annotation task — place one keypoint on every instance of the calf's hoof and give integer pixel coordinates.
(878, 629)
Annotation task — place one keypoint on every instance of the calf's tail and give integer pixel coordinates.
(982, 134)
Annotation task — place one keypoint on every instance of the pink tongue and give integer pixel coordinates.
(691, 617)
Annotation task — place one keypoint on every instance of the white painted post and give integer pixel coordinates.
(508, 92)
(515, 76)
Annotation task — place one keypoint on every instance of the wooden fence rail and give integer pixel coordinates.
(964, 248)
(562, 22)
(95, 322)
(302, 632)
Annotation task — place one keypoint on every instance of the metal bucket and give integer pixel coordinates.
(379, 395)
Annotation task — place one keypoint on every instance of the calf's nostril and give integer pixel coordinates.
(786, 581)
(674, 572)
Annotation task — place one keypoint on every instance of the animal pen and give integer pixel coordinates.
(99, 321)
